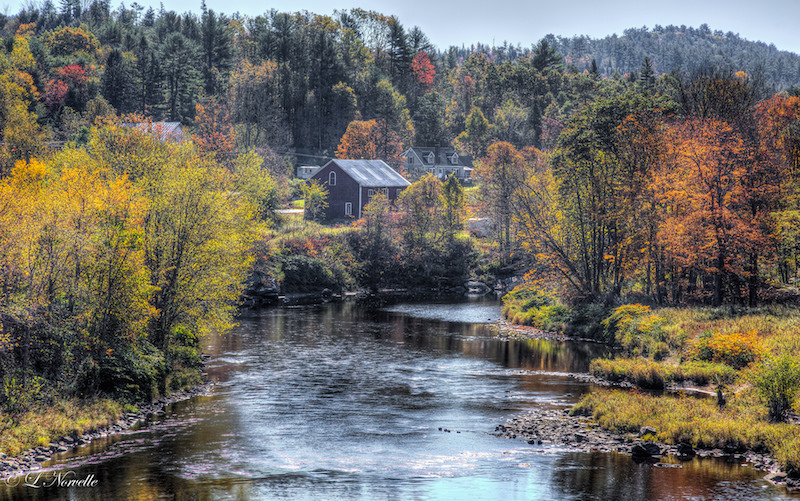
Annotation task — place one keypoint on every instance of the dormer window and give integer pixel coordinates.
(454, 159)
(430, 157)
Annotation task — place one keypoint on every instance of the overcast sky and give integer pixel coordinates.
(457, 22)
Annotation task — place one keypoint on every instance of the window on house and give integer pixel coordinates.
(410, 160)
(385, 191)
(454, 159)
(370, 192)
(348, 208)
(430, 157)
(332, 179)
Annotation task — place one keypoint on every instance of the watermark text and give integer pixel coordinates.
(41, 480)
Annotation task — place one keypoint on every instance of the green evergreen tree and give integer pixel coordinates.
(647, 79)
(545, 56)
(178, 56)
(429, 126)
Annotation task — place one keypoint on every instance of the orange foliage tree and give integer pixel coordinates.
(779, 126)
(710, 223)
(367, 140)
(214, 131)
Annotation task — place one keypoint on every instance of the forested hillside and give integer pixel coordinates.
(294, 81)
(670, 48)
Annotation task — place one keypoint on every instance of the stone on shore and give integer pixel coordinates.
(647, 430)
(685, 451)
(645, 449)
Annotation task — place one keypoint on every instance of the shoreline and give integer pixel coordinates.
(543, 427)
(559, 428)
(34, 459)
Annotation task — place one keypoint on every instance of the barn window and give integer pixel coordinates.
(385, 191)
(348, 209)
(370, 192)
(332, 179)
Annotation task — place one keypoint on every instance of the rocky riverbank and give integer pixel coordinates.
(558, 428)
(36, 458)
(551, 428)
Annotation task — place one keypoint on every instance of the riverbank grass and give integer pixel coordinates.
(743, 424)
(43, 424)
(750, 353)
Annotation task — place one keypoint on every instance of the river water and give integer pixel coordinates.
(342, 402)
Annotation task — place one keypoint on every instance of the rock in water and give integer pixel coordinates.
(685, 450)
(645, 449)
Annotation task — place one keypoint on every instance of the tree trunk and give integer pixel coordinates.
(753, 281)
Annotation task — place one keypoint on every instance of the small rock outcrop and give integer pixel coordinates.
(645, 449)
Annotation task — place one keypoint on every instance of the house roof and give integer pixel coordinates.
(371, 173)
(442, 155)
(162, 130)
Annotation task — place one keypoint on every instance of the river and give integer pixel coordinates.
(342, 402)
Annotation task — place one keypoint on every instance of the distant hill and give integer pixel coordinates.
(669, 48)
(683, 48)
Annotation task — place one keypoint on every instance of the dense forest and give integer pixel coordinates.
(293, 82)
(670, 48)
(660, 165)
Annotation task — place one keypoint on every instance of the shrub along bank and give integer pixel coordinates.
(748, 355)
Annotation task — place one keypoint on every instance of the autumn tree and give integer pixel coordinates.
(779, 127)
(422, 204)
(360, 141)
(735, 176)
(375, 246)
(196, 237)
(214, 131)
(601, 179)
(424, 71)
(431, 211)
(253, 180)
(19, 130)
(499, 172)
(315, 200)
(454, 205)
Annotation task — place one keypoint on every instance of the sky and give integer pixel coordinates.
(457, 22)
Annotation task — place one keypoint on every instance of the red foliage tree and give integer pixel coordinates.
(73, 75)
(55, 93)
(423, 70)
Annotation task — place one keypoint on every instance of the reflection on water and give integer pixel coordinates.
(338, 402)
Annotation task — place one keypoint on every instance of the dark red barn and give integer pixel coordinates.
(351, 184)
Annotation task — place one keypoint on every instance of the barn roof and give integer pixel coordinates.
(371, 173)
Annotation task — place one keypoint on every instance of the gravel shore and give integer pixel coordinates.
(557, 428)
